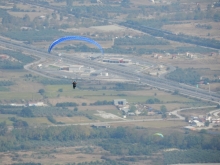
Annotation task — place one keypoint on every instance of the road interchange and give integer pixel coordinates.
(127, 73)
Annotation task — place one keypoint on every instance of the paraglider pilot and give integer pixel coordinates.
(74, 84)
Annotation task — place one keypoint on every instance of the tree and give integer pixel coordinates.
(75, 109)
(54, 16)
(164, 115)
(60, 90)
(176, 92)
(26, 112)
(203, 131)
(84, 104)
(20, 124)
(69, 3)
(207, 123)
(163, 109)
(26, 18)
(3, 128)
(61, 16)
(132, 108)
(150, 101)
(187, 119)
(41, 91)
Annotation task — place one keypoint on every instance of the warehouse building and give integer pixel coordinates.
(120, 102)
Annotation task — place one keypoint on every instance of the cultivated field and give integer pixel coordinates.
(189, 28)
(54, 155)
(154, 124)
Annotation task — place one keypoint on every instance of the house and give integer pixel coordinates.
(25, 28)
(42, 17)
(209, 119)
(96, 73)
(125, 109)
(3, 57)
(174, 57)
(155, 55)
(150, 113)
(197, 123)
(37, 104)
(131, 113)
(159, 56)
(215, 120)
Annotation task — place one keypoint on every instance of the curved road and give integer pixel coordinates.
(175, 112)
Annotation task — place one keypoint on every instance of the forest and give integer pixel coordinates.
(118, 141)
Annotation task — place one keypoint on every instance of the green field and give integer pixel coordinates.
(31, 121)
(109, 95)
(19, 95)
(4, 117)
(4, 89)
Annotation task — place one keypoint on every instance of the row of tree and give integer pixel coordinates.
(187, 76)
(104, 102)
(116, 140)
(143, 40)
(67, 104)
(6, 83)
(10, 65)
(171, 36)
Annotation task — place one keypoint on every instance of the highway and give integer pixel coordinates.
(161, 82)
(119, 70)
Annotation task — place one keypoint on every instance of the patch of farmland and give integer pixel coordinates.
(106, 115)
(108, 28)
(190, 29)
(70, 120)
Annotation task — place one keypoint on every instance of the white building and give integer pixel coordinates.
(17, 105)
(197, 123)
(37, 104)
(96, 72)
(120, 102)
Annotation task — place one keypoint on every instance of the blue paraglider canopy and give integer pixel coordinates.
(80, 38)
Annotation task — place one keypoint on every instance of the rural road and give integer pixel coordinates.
(175, 112)
(215, 112)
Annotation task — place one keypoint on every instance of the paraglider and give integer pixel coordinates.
(80, 38)
(74, 84)
(159, 134)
